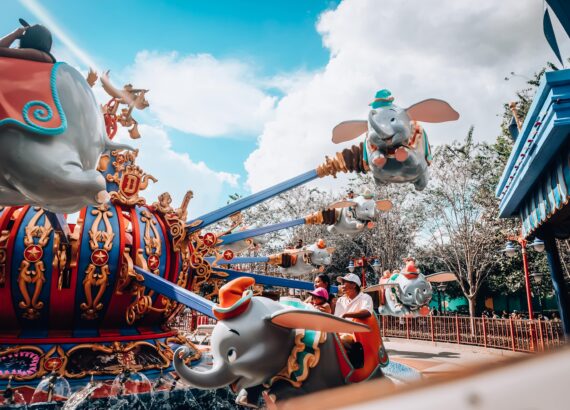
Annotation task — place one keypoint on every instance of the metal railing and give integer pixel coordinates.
(188, 320)
(518, 335)
(510, 334)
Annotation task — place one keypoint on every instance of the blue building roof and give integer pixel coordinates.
(536, 168)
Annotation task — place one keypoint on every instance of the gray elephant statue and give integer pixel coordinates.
(52, 134)
(407, 293)
(355, 215)
(396, 146)
(307, 260)
(291, 351)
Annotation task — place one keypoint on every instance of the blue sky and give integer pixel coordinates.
(244, 94)
(275, 36)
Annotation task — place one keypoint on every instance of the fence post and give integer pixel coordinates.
(431, 328)
(407, 328)
(540, 335)
(484, 333)
(532, 344)
(512, 333)
(457, 329)
(193, 320)
(383, 325)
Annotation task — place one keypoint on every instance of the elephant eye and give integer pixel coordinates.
(393, 120)
(409, 294)
(232, 355)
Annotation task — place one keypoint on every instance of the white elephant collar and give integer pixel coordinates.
(36, 106)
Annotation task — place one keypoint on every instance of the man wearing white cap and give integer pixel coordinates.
(354, 304)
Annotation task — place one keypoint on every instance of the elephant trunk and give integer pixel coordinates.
(112, 146)
(420, 298)
(380, 129)
(219, 376)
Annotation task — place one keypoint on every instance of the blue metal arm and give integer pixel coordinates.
(177, 293)
(59, 224)
(251, 233)
(236, 261)
(252, 200)
(271, 280)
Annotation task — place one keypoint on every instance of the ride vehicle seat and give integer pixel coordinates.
(367, 346)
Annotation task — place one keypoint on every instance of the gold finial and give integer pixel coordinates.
(518, 120)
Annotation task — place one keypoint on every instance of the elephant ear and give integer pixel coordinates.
(349, 130)
(384, 205)
(342, 204)
(381, 286)
(432, 110)
(442, 277)
(314, 320)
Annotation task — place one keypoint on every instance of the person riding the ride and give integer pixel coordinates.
(35, 43)
(319, 298)
(353, 304)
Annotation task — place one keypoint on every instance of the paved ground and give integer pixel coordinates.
(441, 359)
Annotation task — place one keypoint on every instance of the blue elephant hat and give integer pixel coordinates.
(367, 194)
(383, 98)
(234, 298)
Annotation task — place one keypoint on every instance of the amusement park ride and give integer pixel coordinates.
(93, 299)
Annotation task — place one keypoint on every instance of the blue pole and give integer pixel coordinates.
(236, 261)
(251, 233)
(271, 280)
(59, 224)
(177, 293)
(558, 281)
(252, 200)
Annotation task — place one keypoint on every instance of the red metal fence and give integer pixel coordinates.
(188, 320)
(510, 334)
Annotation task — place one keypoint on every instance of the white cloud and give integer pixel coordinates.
(457, 51)
(176, 172)
(202, 95)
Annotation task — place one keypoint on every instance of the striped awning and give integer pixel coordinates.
(547, 197)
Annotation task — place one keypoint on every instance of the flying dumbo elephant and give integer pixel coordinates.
(291, 351)
(407, 293)
(308, 259)
(52, 134)
(356, 214)
(396, 146)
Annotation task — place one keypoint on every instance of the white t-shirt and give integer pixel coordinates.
(360, 302)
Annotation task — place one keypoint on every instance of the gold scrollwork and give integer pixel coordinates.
(125, 354)
(142, 303)
(97, 272)
(130, 178)
(4, 235)
(152, 243)
(127, 275)
(32, 267)
(57, 360)
(175, 221)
